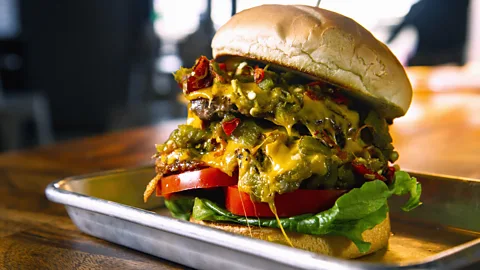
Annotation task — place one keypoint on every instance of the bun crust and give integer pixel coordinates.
(323, 44)
(336, 246)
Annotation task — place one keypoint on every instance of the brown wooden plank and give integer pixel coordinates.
(36, 233)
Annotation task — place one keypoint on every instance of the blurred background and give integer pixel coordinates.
(71, 69)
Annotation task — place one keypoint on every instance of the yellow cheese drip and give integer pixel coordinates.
(274, 211)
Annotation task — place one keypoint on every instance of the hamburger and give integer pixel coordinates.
(287, 134)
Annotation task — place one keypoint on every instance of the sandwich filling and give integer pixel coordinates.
(321, 160)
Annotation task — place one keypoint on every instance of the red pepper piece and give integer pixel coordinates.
(339, 99)
(311, 95)
(221, 73)
(258, 75)
(316, 83)
(342, 155)
(362, 170)
(230, 126)
(329, 140)
(200, 77)
(336, 97)
(390, 173)
(222, 66)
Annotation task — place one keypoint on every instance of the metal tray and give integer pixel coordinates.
(443, 233)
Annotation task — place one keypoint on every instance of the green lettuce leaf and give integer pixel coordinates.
(180, 207)
(353, 213)
(405, 184)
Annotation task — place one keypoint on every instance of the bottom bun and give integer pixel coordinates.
(336, 246)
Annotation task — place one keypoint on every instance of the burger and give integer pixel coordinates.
(287, 137)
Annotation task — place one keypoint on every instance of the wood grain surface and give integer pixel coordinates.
(440, 134)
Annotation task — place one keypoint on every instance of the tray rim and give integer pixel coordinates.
(303, 258)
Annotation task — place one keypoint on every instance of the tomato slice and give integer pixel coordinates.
(298, 202)
(204, 178)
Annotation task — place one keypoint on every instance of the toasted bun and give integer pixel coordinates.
(336, 246)
(322, 44)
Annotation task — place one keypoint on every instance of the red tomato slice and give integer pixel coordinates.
(204, 178)
(301, 201)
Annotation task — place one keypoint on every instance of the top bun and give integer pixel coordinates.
(322, 44)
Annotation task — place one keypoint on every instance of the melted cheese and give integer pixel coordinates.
(287, 121)
(176, 155)
(318, 165)
(193, 120)
(274, 211)
(282, 157)
(353, 146)
(314, 110)
(352, 116)
(226, 161)
(227, 90)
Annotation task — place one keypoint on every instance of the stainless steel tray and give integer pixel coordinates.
(443, 233)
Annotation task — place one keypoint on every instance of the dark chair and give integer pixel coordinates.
(16, 110)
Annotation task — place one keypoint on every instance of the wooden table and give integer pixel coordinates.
(440, 134)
